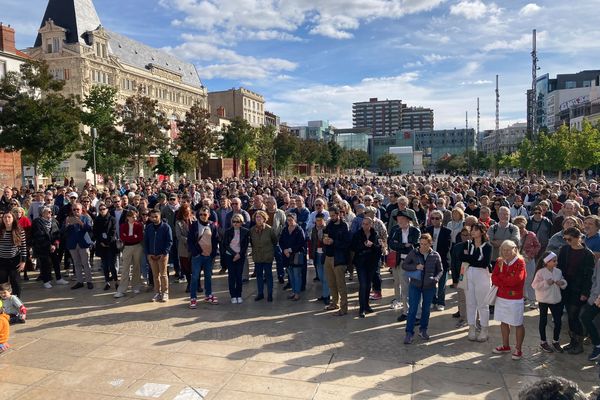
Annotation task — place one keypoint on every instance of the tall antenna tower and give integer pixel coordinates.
(534, 68)
(478, 117)
(497, 130)
(467, 154)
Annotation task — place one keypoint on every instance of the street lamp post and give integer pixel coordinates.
(94, 134)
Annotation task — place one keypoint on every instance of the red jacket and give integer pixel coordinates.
(511, 280)
(138, 233)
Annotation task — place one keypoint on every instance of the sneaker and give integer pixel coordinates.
(402, 318)
(90, 285)
(424, 335)
(408, 338)
(533, 306)
(136, 291)
(157, 297)
(106, 286)
(375, 296)
(181, 280)
(517, 355)
(595, 354)
(461, 323)
(118, 295)
(233, 300)
(440, 307)
(557, 347)
(61, 281)
(193, 303)
(78, 285)
(47, 285)
(501, 350)
(164, 298)
(240, 300)
(213, 300)
(546, 347)
(456, 314)
(259, 297)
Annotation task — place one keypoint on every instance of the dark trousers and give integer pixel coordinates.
(365, 272)
(46, 264)
(587, 319)
(556, 310)
(377, 278)
(574, 305)
(264, 271)
(108, 262)
(174, 259)
(279, 261)
(440, 297)
(235, 270)
(10, 273)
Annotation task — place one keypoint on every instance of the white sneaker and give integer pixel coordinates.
(234, 300)
(61, 281)
(118, 295)
(165, 297)
(440, 307)
(394, 304)
(136, 291)
(48, 285)
(156, 297)
(240, 300)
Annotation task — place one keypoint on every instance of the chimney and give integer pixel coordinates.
(7, 39)
(221, 112)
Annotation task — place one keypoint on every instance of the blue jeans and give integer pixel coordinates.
(234, 275)
(204, 263)
(414, 298)
(319, 262)
(440, 297)
(279, 261)
(295, 274)
(264, 270)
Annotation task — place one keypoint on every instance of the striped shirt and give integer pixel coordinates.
(8, 248)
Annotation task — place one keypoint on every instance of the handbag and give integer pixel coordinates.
(119, 244)
(490, 298)
(462, 277)
(391, 259)
(416, 274)
(298, 259)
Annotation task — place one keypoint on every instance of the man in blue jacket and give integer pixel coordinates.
(158, 239)
(78, 228)
(336, 238)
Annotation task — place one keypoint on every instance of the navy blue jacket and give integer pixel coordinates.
(79, 234)
(192, 239)
(340, 249)
(158, 239)
(295, 241)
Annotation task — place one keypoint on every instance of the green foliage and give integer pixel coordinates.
(285, 146)
(525, 156)
(585, 147)
(165, 164)
(143, 125)
(196, 138)
(44, 128)
(238, 141)
(185, 162)
(100, 112)
(265, 147)
(336, 153)
(388, 162)
(354, 158)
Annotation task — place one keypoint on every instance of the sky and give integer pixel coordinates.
(311, 59)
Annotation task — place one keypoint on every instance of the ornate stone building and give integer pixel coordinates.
(242, 103)
(80, 51)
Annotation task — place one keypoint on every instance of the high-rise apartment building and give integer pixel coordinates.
(417, 118)
(384, 117)
(241, 103)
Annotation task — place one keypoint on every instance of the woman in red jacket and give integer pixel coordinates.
(131, 234)
(509, 276)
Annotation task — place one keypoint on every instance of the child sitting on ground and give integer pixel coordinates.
(13, 306)
(4, 330)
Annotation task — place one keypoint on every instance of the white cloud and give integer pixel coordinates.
(477, 82)
(434, 58)
(523, 42)
(529, 10)
(472, 9)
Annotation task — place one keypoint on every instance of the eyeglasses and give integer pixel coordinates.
(103, 208)
(435, 218)
(172, 199)
(204, 215)
(237, 222)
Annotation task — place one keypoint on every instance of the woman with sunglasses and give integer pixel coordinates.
(577, 264)
(13, 251)
(105, 234)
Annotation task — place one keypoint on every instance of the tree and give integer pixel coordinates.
(388, 162)
(285, 147)
(165, 164)
(238, 142)
(551, 152)
(144, 125)
(525, 156)
(196, 138)
(585, 147)
(265, 147)
(457, 163)
(336, 153)
(353, 158)
(46, 129)
(100, 112)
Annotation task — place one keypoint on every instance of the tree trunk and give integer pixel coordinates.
(559, 175)
(246, 168)
(235, 167)
(35, 175)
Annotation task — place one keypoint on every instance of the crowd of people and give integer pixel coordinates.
(505, 245)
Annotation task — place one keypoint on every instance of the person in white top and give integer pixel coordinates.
(547, 283)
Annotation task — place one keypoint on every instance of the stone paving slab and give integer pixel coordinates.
(85, 344)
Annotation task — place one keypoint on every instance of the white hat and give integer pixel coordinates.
(73, 194)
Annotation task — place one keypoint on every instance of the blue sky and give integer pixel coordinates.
(312, 59)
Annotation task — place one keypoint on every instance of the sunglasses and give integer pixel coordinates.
(237, 222)
(435, 218)
(103, 208)
(204, 215)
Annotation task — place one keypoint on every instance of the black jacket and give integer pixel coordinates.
(228, 237)
(581, 283)
(444, 242)
(105, 234)
(363, 255)
(476, 257)
(395, 241)
(42, 239)
(340, 249)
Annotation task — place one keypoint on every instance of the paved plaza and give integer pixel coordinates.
(85, 344)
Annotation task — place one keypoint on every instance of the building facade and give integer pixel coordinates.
(314, 130)
(505, 141)
(417, 118)
(240, 103)
(80, 51)
(383, 117)
(272, 120)
(10, 61)
(353, 138)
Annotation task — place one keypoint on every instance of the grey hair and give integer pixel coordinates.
(550, 388)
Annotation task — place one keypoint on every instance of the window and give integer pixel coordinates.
(587, 83)
(570, 85)
(2, 69)
(103, 50)
(98, 50)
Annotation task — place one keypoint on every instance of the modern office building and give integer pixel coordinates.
(417, 119)
(80, 51)
(353, 138)
(315, 130)
(11, 60)
(240, 103)
(505, 141)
